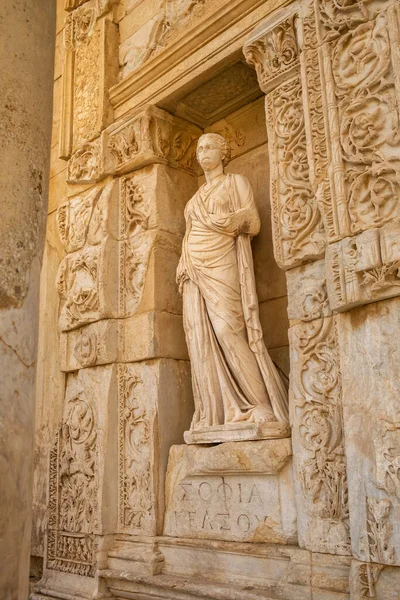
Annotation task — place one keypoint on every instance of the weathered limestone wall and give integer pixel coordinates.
(26, 67)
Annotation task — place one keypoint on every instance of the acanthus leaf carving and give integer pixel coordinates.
(274, 52)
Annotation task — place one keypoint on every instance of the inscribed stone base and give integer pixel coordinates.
(238, 432)
(239, 491)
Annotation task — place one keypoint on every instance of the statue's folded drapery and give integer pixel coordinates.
(234, 378)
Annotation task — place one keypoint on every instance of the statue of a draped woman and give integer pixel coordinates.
(236, 385)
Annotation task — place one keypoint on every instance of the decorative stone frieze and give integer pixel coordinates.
(151, 136)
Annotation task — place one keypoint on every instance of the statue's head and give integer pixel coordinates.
(212, 150)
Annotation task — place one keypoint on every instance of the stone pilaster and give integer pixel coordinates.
(122, 349)
(344, 60)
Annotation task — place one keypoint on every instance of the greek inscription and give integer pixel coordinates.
(255, 494)
(206, 521)
(225, 526)
(205, 491)
(243, 522)
(187, 489)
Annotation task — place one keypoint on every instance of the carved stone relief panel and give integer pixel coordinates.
(87, 280)
(86, 165)
(364, 268)
(150, 393)
(90, 345)
(90, 68)
(151, 136)
(319, 459)
(155, 34)
(78, 468)
(361, 82)
(336, 18)
(137, 471)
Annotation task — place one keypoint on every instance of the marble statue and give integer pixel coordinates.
(235, 383)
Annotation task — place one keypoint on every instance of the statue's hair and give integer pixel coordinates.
(222, 143)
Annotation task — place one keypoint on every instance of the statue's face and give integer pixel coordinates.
(209, 154)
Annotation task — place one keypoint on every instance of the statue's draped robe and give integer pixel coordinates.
(234, 378)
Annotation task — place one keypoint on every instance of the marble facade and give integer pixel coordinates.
(306, 93)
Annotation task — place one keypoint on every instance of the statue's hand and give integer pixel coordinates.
(235, 223)
(181, 275)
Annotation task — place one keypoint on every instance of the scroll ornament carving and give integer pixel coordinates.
(135, 494)
(323, 475)
(339, 16)
(136, 246)
(73, 491)
(274, 52)
(79, 25)
(297, 225)
(374, 197)
(387, 447)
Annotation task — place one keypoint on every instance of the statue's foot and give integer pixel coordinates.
(261, 414)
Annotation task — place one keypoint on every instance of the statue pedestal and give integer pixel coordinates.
(238, 432)
(235, 491)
